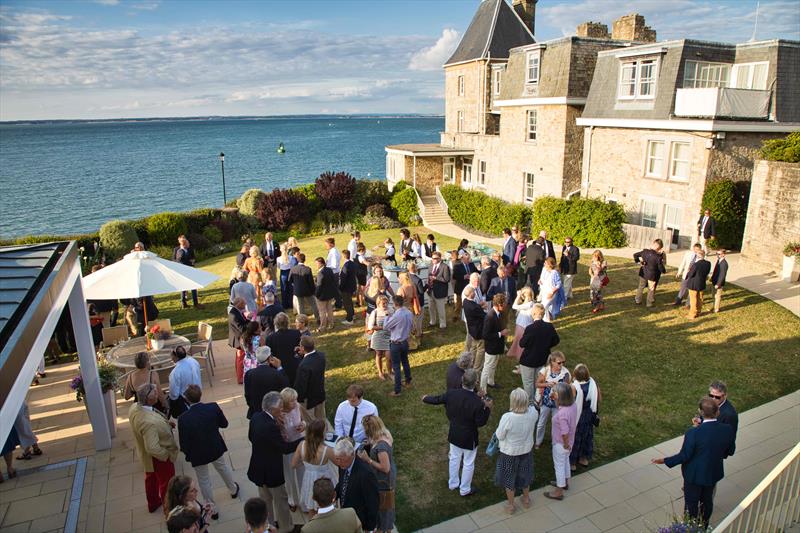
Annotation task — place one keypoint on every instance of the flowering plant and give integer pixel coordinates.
(108, 375)
(685, 524)
(155, 332)
(792, 249)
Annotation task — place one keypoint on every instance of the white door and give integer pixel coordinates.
(672, 220)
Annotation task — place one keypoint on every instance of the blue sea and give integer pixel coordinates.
(64, 178)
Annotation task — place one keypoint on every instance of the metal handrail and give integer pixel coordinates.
(774, 505)
(441, 201)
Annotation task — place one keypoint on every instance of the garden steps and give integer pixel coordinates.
(434, 214)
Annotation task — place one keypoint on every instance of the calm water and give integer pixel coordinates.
(71, 178)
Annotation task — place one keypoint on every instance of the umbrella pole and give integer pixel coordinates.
(144, 308)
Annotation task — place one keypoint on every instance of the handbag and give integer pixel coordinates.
(493, 446)
(596, 420)
(605, 281)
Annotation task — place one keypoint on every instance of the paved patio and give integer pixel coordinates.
(633, 495)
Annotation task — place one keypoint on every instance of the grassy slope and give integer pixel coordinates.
(652, 366)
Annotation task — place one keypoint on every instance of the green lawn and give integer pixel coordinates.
(652, 366)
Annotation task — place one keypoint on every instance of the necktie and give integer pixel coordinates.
(343, 490)
(353, 422)
(694, 258)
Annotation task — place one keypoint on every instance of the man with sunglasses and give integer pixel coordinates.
(718, 391)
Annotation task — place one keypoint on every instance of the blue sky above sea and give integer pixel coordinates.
(150, 58)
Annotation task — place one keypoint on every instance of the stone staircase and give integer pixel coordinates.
(434, 214)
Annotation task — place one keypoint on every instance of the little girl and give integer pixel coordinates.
(269, 283)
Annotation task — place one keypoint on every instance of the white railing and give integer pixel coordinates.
(420, 205)
(722, 102)
(774, 505)
(441, 201)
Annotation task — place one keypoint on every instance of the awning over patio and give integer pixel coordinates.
(428, 150)
(36, 284)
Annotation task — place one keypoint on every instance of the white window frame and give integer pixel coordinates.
(657, 207)
(461, 85)
(466, 174)
(638, 66)
(736, 73)
(673, 160)
(460, 119)
(528, 130)
(449, 164)
(482, 173)
(702, 74)
(391, 167)
(654, 171)
(528, 184)
(533, 64)
(497, 77)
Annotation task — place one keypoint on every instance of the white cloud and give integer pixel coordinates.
(107, 2)
(146, 6)
(432, 58)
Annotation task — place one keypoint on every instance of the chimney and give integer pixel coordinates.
(526, 9)
(596, 30)
(632, 28)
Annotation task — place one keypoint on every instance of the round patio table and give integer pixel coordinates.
(123, 354)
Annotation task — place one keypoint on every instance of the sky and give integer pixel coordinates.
(70, 59)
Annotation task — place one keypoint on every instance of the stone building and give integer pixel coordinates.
(662, 120)
(510, 107)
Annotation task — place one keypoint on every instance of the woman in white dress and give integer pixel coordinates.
(550, 283)
(316, 458)
(522, 305)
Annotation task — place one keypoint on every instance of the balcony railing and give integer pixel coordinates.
(722, 102)
(774, 505)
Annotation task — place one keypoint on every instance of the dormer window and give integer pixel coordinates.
(637, 79)
(532, 71)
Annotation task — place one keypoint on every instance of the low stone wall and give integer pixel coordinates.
(773, 214)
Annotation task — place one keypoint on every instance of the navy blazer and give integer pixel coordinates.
(310, 380)
(487, 275)
(496, 287)
(258, 382)
(362, 493)
(266, 460)
(461, 273)
(696, 277)
(198, 433)
(466, 412)
(348, 281)
(509, 249)
(474, 314)
(536, 342)
(704, 448)
(494, 343)
(720, 272)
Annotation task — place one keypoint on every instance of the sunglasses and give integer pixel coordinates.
(559, 362)
(715, 396)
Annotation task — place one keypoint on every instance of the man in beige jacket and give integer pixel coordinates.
(328, 518)
(155, 444)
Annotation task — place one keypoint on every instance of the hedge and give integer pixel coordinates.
(404, 204)
(164, 228)
(728, 204)
(117, 238)
(371, 192)
(786, 150)
(281, 208)
(248, 202)
(482, 212)
(590, 222)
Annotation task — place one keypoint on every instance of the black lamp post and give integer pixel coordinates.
(222, 164)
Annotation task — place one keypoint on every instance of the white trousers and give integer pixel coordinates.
(566, 282)
(547, 303)
(561, 464)
(489, 367)
(464, 486)
(544, 415)
(436, 311)
(204, 479)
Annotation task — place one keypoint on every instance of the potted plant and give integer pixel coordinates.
(791, 262)
(108, 376)
(156, 337)
(684, 524)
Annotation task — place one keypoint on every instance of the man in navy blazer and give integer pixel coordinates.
(201, 442)
(266, 461)
(509, 246)
(503, 284)
(704, 448)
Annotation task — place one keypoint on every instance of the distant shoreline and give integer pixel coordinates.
(217, 117)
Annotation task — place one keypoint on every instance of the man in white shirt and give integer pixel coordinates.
(688, 260)
(706, 229)
(185, 373)
(350, 413)
(478, 297)
(353, 244)
(334, 262)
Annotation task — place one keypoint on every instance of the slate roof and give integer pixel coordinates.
(494, 30)
(23, 270)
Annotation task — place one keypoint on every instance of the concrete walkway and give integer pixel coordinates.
(632, 494)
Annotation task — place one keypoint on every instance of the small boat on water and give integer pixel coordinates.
(281, 148)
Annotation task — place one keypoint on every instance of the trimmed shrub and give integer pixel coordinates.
(140, 227)
(590, 222)
(377, 210)
(198, 241)
(336, 190)
(198, 219)
(212, 234)
(164, 228)
(728, 204)
(371, 192)
(482, 212)
(117, 237)
(248, 202)
(404, 204)
(786, 150)
(399, 186)
(281, 208)
(163, 251)
(379, 222)
(315, 204)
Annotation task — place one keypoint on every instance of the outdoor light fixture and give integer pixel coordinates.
(222, 164)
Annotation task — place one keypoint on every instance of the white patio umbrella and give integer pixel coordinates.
(141, 274)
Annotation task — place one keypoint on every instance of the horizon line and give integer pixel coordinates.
(223, 117)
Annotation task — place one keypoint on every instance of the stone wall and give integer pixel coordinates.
(596, 30)
(733, 156)
(632, 28)
(475, 78)
(429, 173)
(773, 215)
(614, 170)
